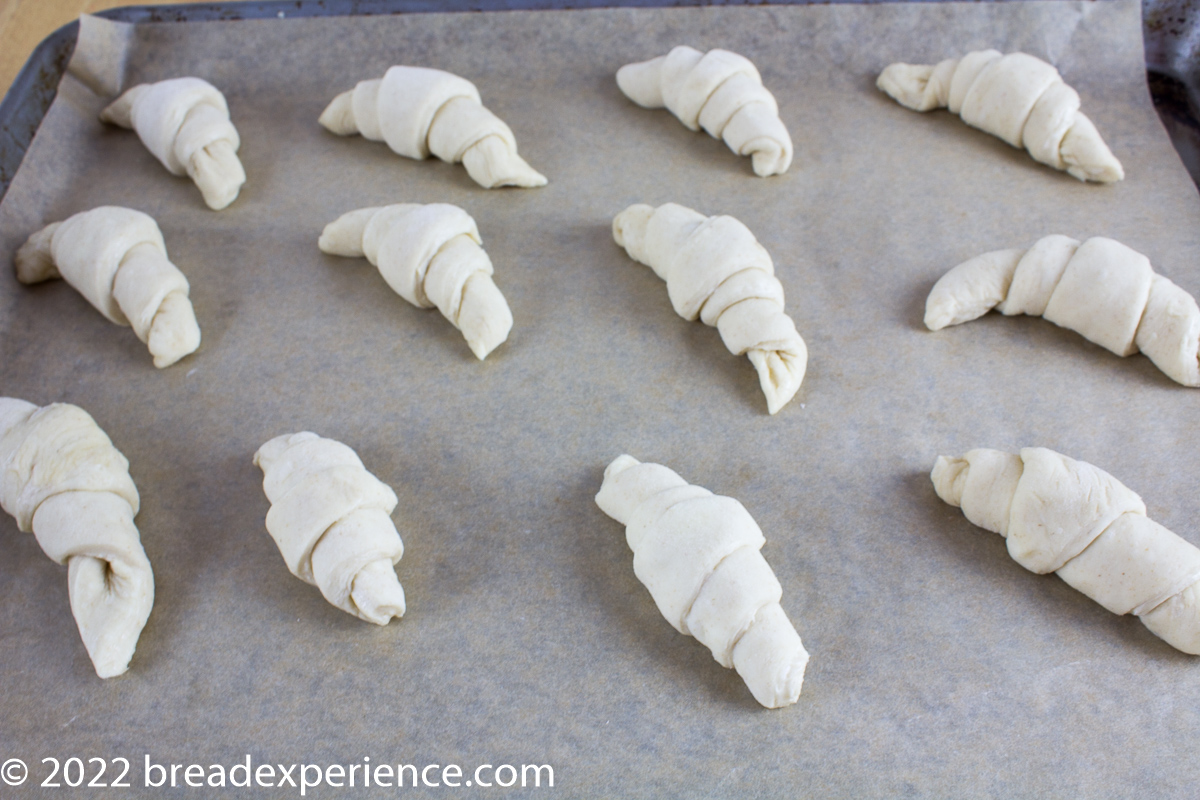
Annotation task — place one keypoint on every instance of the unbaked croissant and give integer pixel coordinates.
(419, 111)
(331, 520)
(720, 92)
(698, 554)
(61, 478)
(431, 256)
(1017, 97)
(115, 257)
(185, 123)
(718, 272)
(1066, 516)
(1100, 289)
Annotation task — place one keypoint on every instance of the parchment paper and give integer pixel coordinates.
(939, 666)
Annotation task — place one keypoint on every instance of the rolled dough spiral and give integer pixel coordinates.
(718, 272)
(1017, 97)
(720, 92)
(431, 256)
(1066, 516)
(331, 520)
(185, 123)
(698, 554)
(418, 111)
(116, 258)
(61, 478)
(1101, 289)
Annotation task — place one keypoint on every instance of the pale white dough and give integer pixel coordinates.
(419, 111)
(716, 271)
(61, 478)
(185, 123)
(332, 522)
(431, 256)
(698, 554)
(115, 257)
(1101, 289)
(720, 92)
(1066, 516)
(1016, 97)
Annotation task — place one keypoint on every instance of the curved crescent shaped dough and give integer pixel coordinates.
(1017, 97)
(718, 272)
(419, 111)
(115, 257)
(331, 520)
(698, 554)
(185, 123)
(720, 92)
(431, 256)
(61, 478)
(1100, 289)
(1066, 516)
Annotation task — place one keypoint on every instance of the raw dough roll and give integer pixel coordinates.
(698, 554)
(431, 256)
(720, 92)
(718, 272)
(1016, 97)
(419, 111)
(61, 478)
(331, 520)
(185, 123)
(1066, 516)
(115, 257)
(1100, 289)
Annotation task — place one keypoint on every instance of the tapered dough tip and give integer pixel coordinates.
(905, 83)
(338, 116)
(174, 332)
(110, 628)
(641, 82)
(484, 316)
(790, 687)
(13, 412)
(949, 477)
(34, 260)
(377, 593)
(780, 374)
(344, 236)
(769, 158)
(1087, 156)
(218, 173)
(119, 112)
(771, 658)
(619, 465)
(493, 164)
(629, 227)
(264, 457)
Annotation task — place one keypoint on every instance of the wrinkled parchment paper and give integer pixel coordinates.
(939, 666)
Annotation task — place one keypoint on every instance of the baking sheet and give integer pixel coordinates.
(940, 667)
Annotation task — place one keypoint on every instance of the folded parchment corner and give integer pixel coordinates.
(101, 50)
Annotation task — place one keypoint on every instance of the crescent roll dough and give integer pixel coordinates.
(720, 92)
(1100, 289)
(61, 478)
(331, 520)
(718, 272)
(185, 123)
(1065, 516)
(115, 257)
(431, 256)
(698, 554)
(1019, 98)
(418, 111)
